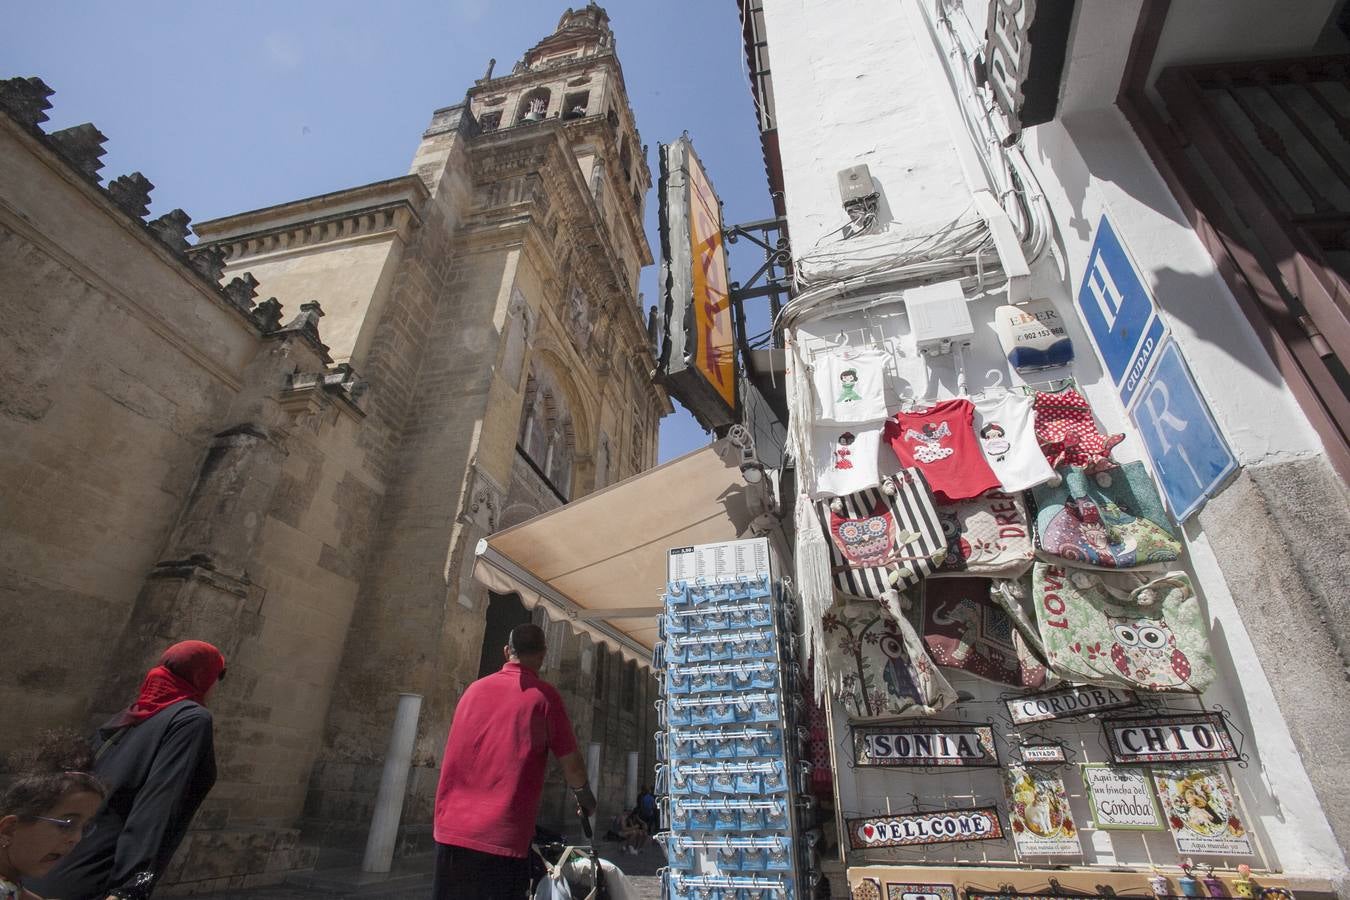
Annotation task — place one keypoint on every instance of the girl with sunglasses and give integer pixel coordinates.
(45, 813)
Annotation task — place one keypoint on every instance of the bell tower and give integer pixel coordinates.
(572, 78)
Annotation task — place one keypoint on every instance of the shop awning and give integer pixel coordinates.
(600, 562)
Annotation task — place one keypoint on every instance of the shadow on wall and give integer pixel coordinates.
(1098, 146)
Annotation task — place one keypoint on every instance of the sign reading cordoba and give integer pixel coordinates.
(950, 826)
(1067, 702)
(938, 744)
(1183, 738)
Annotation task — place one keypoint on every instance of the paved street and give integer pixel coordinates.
(411, 880)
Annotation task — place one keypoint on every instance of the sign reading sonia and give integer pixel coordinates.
(939, 744)
(951, 826)
(1067, 702)
(1121, 798)
(1196, 736)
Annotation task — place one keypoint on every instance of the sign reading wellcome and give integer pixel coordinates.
(939, 744)
(951, 826)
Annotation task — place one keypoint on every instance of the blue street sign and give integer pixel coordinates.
(1188, 452)
(1119, 312)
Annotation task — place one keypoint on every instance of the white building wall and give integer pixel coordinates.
(857, 83)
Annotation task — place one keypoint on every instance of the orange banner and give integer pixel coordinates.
(715, 348)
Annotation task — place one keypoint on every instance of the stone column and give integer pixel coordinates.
(383, 836)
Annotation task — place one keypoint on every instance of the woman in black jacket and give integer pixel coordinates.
(158, 762)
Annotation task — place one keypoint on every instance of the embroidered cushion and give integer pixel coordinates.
(877, 665)
(1113, 519)
(1136, 629)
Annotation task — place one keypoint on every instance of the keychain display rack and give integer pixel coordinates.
(729, 777)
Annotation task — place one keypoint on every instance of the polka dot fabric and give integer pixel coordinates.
(1068, 434)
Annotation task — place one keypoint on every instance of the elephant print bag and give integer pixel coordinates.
(1132, 629)
(877, 666)
(883, 538)
(964, 628)
(1112, 519)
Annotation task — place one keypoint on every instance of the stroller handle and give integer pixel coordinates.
(586, 825)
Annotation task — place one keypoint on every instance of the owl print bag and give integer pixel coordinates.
(1141, 630)
(1113, 519)
(877, 666)
(883, 539)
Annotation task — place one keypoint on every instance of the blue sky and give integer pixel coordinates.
(228, 107)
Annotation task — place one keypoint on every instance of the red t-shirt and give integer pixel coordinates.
(940, 441)
(492, 776)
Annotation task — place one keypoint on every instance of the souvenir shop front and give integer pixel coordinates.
(1024, 687)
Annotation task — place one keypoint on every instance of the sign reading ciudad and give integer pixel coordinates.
(950, 826)
(1067, 702)
(1180, 738)
(938, 744)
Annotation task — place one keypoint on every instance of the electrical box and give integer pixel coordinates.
(939, 317)
(855, 183)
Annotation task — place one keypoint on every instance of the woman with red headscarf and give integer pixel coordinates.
(158, 761)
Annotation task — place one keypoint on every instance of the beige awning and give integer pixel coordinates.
(600, 562)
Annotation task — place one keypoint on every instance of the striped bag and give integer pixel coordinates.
(883, 539)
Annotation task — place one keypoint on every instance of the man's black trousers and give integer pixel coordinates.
(464, 874)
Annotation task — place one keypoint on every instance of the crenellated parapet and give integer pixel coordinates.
(26, 101)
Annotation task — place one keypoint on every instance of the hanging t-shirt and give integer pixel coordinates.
(850, 386)
(845, 458)
(940, 441)
(1068, 433)
(1006, 427)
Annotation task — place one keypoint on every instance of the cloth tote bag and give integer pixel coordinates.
(1134, 629)
(964, 629)
(988, 535)
(877, 666)
(1113, 519)
(883, 539)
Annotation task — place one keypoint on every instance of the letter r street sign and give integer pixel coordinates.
(1187, 450)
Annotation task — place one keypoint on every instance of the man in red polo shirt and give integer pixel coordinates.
(492, 776)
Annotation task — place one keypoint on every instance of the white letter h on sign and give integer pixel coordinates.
(1104, 291)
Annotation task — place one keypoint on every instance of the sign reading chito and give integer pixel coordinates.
(698, 348)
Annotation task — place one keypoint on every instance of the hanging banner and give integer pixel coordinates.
(1038, 814)
(1121, 799)
(698, 349)
(938, 744)
(1042, 754)
(1201, 809)
(1065, 703)
(1180, 738)
(896, 890)
(951, 826)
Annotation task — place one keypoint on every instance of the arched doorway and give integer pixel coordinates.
(504, 612)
